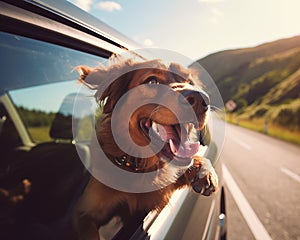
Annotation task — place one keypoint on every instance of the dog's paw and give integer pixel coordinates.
(206, 180)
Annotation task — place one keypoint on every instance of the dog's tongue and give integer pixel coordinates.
(181, 148)
(184, 150)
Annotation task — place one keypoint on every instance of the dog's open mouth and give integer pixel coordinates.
(180, 141)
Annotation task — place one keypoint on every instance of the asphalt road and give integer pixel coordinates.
(262, 178)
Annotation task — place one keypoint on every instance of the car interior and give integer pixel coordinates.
(53, 156)
(54, 169)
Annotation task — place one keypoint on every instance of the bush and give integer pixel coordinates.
(288, 118)
(260, 112)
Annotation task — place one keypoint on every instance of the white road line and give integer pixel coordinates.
(241, 143)
(291, 174)
(252, 220)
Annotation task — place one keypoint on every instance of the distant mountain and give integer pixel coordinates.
(264, 81)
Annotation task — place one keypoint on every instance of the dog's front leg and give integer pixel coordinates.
(93, 210)
(202, 176)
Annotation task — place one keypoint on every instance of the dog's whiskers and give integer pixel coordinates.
(219, 112)
(215, 109)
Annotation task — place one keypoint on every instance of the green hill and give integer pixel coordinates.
(264, 80)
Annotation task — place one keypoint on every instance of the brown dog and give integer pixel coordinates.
(164, 96)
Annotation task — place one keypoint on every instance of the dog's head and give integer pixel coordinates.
(150, 102)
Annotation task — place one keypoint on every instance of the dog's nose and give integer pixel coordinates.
(195, 98)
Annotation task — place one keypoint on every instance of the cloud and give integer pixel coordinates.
(210, 1)
(148, 42)
(109, 6)
(83, 4)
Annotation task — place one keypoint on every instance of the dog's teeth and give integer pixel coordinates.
(155, 127)
(172, 146)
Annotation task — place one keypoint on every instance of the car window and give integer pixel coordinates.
(26, 62)
(38, 77)
(38, 89)
(47, 110)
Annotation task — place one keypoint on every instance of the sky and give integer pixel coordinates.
(196, 28)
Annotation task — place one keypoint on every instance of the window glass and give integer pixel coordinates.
(38, 77)
(47, 110)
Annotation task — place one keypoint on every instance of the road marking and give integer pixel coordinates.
(241, 143)
(256, 227)
(291, 174)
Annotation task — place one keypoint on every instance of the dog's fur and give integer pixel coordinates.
(99, 203)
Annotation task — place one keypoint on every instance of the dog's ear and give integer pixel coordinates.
(114, 92)
(84, 71)
(99, 79)
(87, 76)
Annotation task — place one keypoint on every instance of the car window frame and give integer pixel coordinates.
(29, 24)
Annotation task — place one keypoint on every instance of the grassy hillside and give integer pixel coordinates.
(264, 81)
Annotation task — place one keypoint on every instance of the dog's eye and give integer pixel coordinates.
(188, 81)
(151, 80)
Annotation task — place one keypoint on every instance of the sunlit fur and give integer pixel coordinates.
(99, 202)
